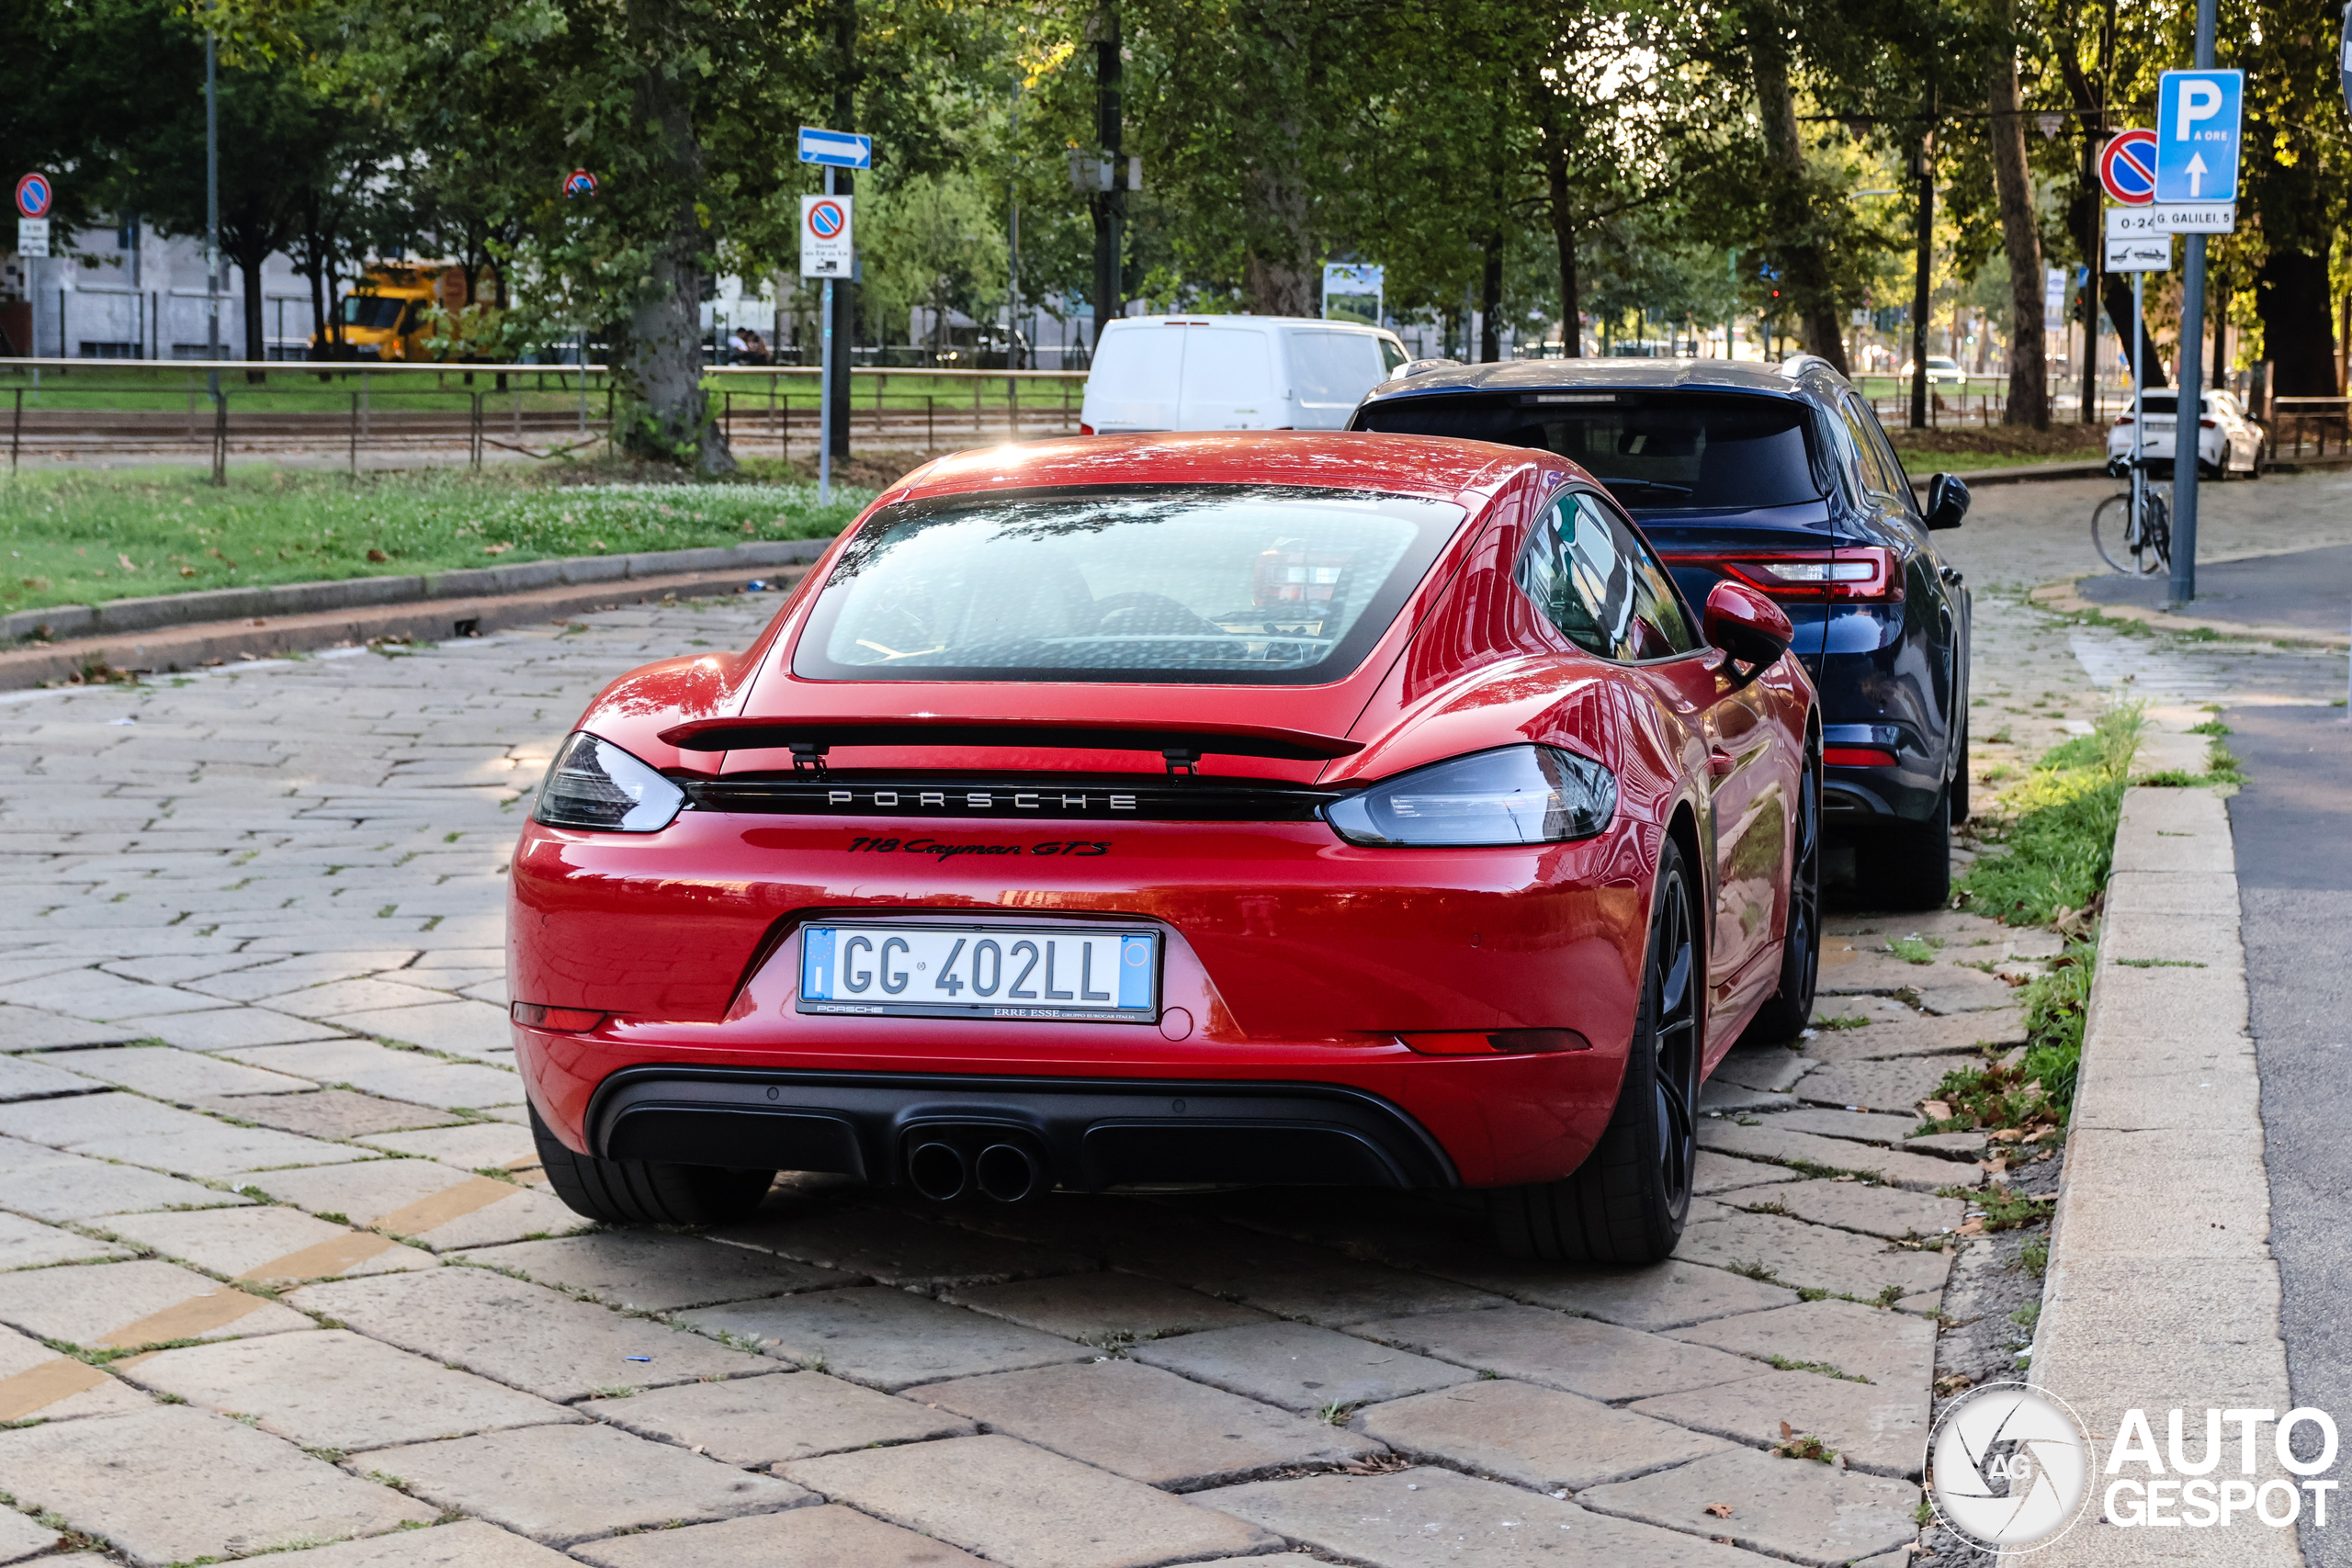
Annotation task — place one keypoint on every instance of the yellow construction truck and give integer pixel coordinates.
(399, 310)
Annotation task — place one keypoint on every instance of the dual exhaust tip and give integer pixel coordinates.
(1005, 1172)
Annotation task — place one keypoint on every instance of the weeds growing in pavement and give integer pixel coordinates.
(1794, 1444)
(2055, 851)
(2034, 1256)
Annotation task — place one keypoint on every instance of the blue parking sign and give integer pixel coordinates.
(2199, 115)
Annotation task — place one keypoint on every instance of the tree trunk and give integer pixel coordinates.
(2291, 298)
(1563, 239)
(2013, 184)
(257, 345)
(1805, 268)
(1490, 300)
(665, 413)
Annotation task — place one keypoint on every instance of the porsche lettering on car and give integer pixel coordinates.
(1133, 812)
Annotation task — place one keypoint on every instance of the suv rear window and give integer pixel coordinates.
(1655, 451)
(1212, 584)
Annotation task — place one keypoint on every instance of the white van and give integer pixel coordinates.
(1233, 373)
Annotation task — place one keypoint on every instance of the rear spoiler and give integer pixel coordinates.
(1181, 745)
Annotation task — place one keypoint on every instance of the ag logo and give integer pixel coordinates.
(2009, 1467)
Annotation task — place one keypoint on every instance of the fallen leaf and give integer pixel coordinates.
(1787, 1431)
(378, 556)
(1935, 1110)
(187, 572)
(2007, 1135)
(1720, 1510)
(128, 564)
(1994, 1166)
(1973, 1227)
(496, 549)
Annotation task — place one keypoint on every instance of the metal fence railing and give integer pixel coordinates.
(72, 408)
(2313, 419)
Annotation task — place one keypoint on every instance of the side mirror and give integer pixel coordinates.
(1946, 502)
(1747, 625)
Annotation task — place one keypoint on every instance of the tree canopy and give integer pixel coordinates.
(1551, 168)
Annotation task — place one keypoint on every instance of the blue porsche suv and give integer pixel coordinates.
(1778, 477)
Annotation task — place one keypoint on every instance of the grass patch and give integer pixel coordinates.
(2034, 1257)
(2056, 852)
(1914, 948)
(80, 536)
(1800, 1445)
(2159, 964)
(1823, 1369)
(1843, 1021)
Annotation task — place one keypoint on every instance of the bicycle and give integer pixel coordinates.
(2134, 527)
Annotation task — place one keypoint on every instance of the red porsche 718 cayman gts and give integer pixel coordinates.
(1151, 812)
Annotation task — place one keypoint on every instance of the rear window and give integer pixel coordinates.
(1335, 369)
(1655, 451)
(1216, 585)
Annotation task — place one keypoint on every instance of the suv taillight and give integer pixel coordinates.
(1084, 429)
(1861, 574)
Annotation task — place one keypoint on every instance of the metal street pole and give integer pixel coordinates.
(2191, 404)
(2139, 381)
(1920, 290)
(212, 212)
(825, 401)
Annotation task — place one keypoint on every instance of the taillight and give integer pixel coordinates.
(1856, 757)
(2205, 425)
(2123, 419)
(1085, 429)
(1863, 573)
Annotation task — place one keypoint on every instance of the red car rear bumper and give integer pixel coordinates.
(1294, 961)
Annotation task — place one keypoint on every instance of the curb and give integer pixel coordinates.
(2161, 1290)
(118, 617)
(2019, 474)
(2062, 597)
(184, 647)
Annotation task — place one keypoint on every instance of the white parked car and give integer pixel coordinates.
(2227, 441)
(1941, 369)
(1233, 373)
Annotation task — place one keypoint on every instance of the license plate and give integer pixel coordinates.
(1064, 974)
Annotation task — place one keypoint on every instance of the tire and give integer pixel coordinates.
(1786, 1012)
(1908, 865)
(1627, 1203)
(2261, 455)
(1960, 783)
(645, 1191)
(2109, 524)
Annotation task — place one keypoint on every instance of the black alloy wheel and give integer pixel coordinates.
(646, 1191)
(1627, 1203)
(1786, 1012)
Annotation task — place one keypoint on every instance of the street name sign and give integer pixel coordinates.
(2177, 218)
(841, 149)
(2199, 115)
(2127, 167)
(826, 247)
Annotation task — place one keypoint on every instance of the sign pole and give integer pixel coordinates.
(825, 401)
(2139, 384)
(2191, 405)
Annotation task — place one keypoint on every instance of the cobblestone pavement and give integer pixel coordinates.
(277, 1270)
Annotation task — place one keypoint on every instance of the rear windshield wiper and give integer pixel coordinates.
(1658, 488)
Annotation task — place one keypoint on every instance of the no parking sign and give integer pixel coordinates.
(826, 249)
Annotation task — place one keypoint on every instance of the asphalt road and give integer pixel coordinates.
(2310, 589)
(2293, 827)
